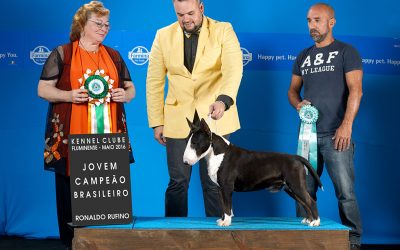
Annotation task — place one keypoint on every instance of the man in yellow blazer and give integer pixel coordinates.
(202, 60)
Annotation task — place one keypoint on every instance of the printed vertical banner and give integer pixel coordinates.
(100, 179)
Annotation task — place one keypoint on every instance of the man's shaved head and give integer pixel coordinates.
(330, 12)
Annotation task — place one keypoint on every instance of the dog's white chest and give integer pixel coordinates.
(214, 162)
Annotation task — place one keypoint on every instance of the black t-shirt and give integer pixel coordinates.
(323, 72)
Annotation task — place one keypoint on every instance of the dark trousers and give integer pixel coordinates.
(176, 195)
(340, 167)
(64, 213)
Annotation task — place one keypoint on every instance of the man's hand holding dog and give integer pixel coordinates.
(217, 110)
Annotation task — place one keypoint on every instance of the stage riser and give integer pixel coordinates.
(115, 239)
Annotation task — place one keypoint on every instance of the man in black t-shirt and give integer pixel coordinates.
(331, 73)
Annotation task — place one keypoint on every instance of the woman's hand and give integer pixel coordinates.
(118, 95)
(79, 96)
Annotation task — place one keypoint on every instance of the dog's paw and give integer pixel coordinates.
(223, 223)
(226, 222)
(315, 223)
(305, 221)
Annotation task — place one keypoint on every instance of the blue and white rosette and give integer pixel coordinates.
(307, 146)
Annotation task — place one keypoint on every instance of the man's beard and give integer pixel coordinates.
(316, 36)
(195, 29)
(192, 31)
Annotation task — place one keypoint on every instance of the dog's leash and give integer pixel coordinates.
(215, 125)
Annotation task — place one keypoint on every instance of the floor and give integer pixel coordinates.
(16, 243)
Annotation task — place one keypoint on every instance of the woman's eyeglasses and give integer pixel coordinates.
(100, 25)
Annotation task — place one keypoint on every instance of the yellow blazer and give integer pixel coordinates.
(217, 70)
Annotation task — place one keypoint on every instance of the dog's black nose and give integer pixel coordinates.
(186, 162)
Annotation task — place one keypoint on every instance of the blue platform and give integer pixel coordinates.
(238, 223)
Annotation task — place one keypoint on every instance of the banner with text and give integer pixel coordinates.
(261, 51)
(100, 179)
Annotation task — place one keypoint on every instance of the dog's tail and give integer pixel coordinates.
(311, 170)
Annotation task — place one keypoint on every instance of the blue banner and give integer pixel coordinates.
(261, 51)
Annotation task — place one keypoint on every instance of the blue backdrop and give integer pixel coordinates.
(271, 34)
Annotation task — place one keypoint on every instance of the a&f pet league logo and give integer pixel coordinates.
(39, 55)
(139, 55)
(247, 56)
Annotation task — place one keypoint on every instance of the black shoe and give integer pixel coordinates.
(355, 247)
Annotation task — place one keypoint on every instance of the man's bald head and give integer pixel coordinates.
(329, 11)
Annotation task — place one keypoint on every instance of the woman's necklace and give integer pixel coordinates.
(96, 81)
(90, 56)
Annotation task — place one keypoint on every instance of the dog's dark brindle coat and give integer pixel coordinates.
(240, 170)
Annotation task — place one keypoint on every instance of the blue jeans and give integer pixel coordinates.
(340, 167)
(176, 195)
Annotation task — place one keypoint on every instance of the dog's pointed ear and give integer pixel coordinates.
(196, 119)
(191, 126)
(204, 126)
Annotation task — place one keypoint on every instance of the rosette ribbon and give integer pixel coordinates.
(307, 145)
(99, 113)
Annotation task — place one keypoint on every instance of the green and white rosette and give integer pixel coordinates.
(98, 85)
(307, 146)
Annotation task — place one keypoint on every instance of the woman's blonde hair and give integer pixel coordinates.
(83, 14)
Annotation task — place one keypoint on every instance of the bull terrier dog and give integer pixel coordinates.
(240, 170)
